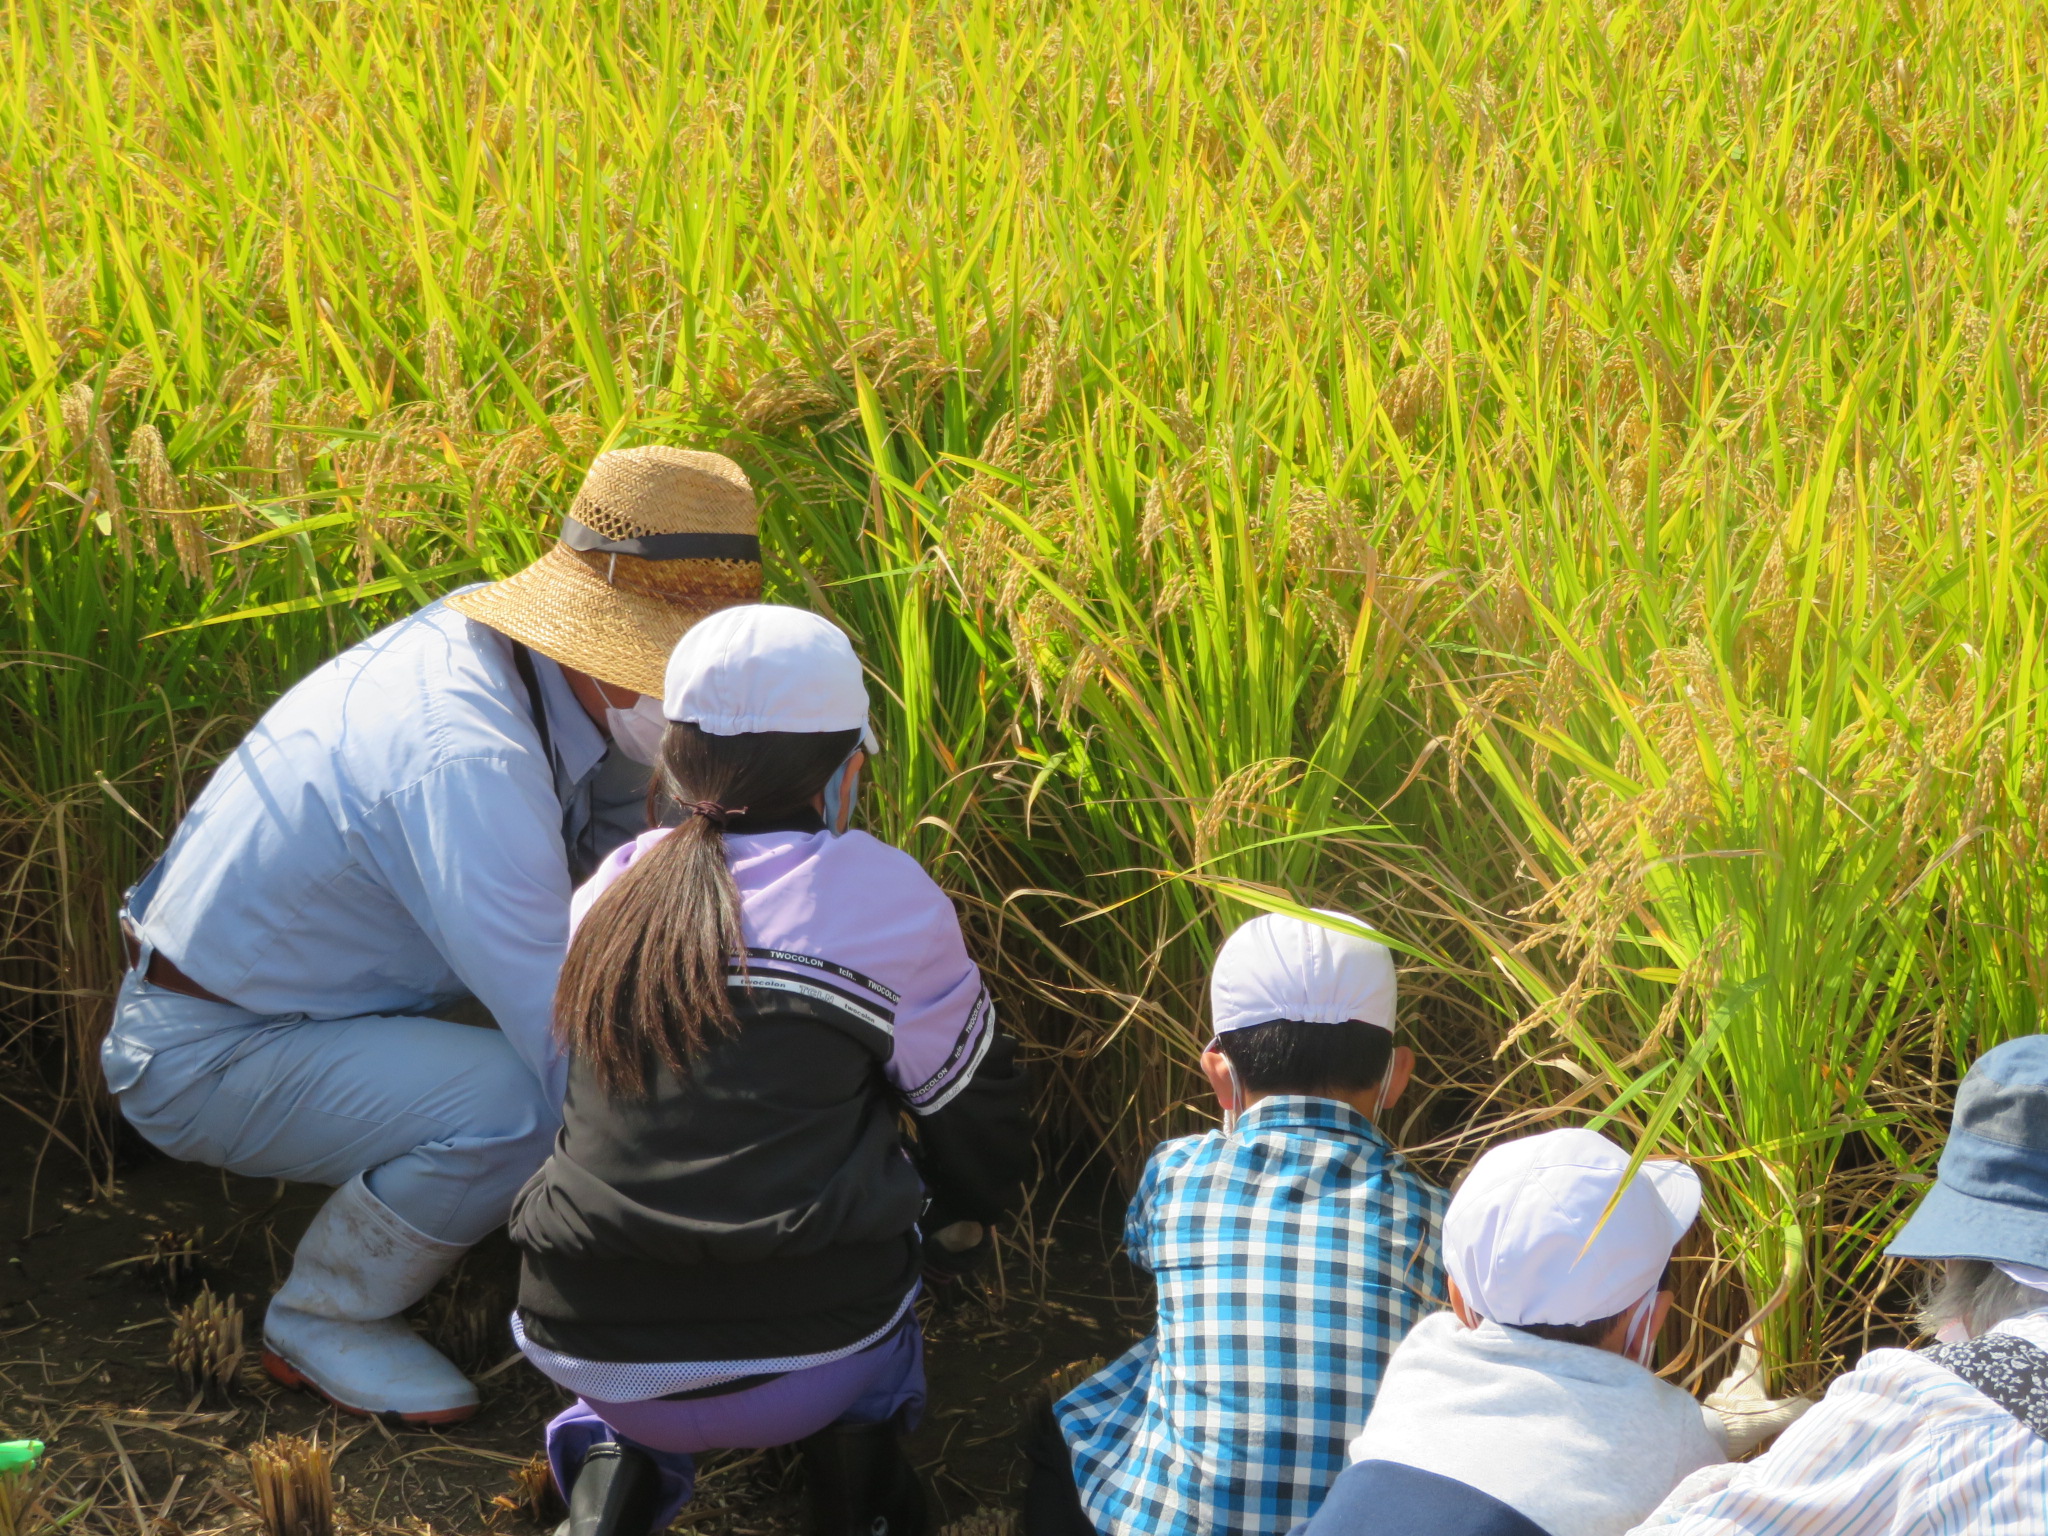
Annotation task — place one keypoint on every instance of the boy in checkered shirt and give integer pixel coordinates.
(1292, 1250)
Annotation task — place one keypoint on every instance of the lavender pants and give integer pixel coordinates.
(883, 1381)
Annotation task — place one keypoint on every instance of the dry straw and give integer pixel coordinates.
(1058, 1383)
(465, 1319)
(986, 1521)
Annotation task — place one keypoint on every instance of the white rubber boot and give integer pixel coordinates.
(335, 1327)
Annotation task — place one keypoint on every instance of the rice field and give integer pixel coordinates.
(1561, 480)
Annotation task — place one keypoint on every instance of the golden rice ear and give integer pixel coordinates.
(294, 1482)
(206, 1346)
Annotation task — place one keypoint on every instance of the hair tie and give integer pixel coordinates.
(713, 812)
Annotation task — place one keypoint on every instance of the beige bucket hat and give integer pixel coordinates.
(656, 538)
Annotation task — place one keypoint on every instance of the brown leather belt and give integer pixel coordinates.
(163, 973)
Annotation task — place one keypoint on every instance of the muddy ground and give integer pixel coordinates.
(86, 1301)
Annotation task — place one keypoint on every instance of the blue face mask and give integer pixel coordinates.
(840, 790)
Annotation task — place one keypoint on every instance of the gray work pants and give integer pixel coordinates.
(444, 1120)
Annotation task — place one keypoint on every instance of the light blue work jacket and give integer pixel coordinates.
(388, 837)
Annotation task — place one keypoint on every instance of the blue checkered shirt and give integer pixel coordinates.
(1291, 1257)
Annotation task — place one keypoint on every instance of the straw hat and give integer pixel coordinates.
(657, 538)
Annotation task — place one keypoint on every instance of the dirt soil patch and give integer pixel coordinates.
(89, 1282)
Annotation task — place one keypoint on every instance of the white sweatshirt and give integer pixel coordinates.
(1583, 1442)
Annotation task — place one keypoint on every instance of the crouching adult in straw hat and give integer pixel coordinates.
(400, 831)
(1953, 1438)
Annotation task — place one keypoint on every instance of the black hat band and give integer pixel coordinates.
(664, 546)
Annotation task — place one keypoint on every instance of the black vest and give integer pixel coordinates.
(764, 1207)
(1385, 1498)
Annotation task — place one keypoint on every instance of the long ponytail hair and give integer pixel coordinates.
(645, 979)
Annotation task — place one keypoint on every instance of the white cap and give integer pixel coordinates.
(764, 667)
(1277, 967)
(1524, 1237)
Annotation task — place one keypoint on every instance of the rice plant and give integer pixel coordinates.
(1562, 481)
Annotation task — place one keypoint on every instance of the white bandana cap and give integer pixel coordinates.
(1277, 967)
(764, 667)
(1525, 1241)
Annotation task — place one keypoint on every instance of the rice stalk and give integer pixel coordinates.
(206, 1348)
(294, 1483)
(532, 1494)
(170, 1259)
(24, 1497)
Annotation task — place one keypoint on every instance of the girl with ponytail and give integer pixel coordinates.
(723, 1249)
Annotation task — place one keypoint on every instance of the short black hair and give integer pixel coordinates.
(1288, 1056)
(1588, 1334)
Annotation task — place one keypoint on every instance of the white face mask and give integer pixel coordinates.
(637, 732)
(1641, 1343)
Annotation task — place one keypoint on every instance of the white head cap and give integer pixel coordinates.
(1278, 967)
(763, 667)
(1525, 1241)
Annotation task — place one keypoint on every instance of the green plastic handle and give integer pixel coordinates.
(19, 1455)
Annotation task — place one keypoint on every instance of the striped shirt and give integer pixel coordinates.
(1899, 1445)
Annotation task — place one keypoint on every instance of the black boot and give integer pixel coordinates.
(1052, 1500)
(616, 1493)
(861, 1483)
